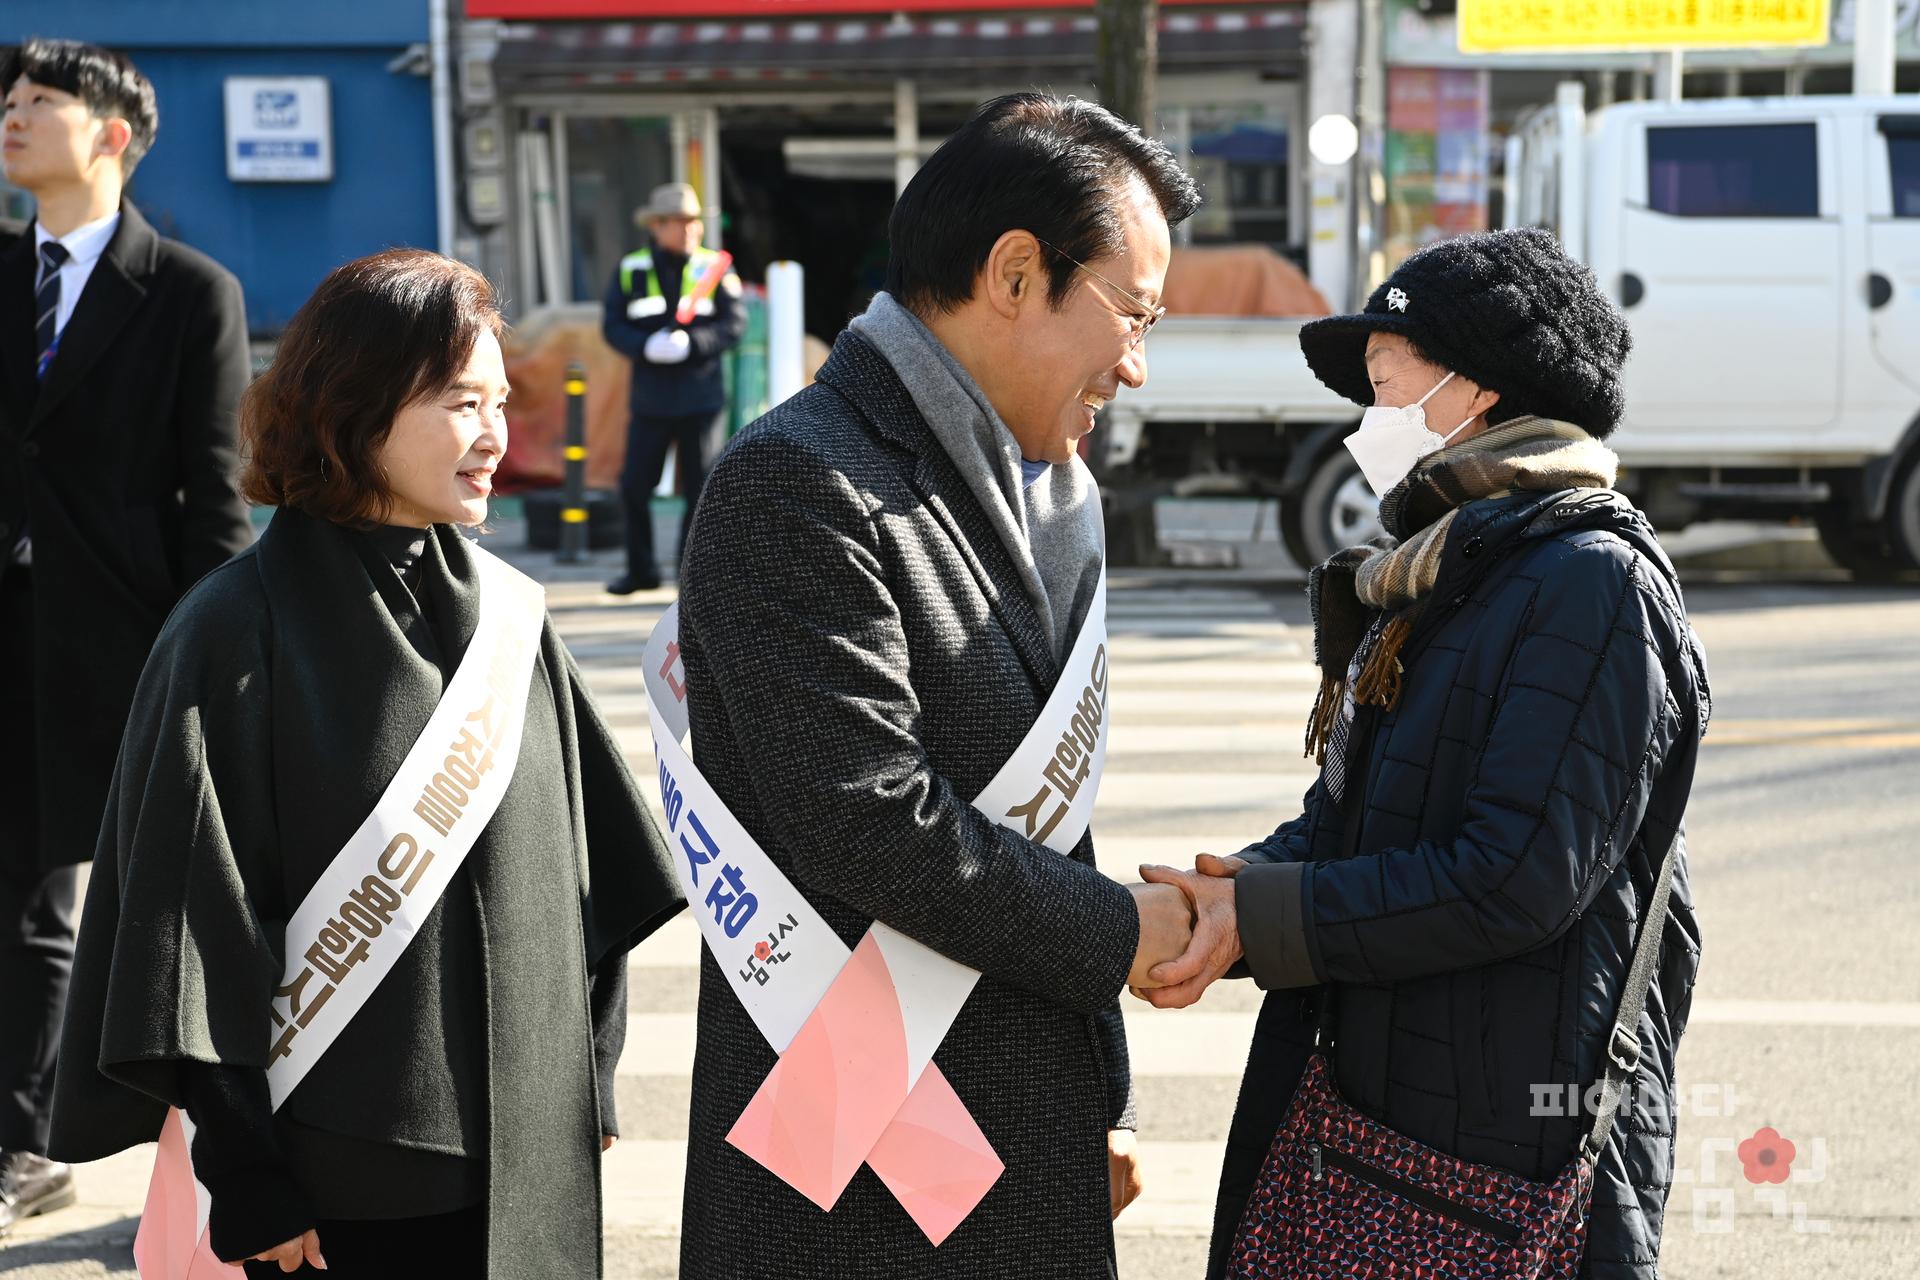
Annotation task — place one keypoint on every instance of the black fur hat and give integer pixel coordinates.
(1508, 310)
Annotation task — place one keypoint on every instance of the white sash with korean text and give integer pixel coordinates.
(778, 954)
(359, 917)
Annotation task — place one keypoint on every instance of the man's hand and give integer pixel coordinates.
(1215, 948)
(1166, 929)
(1123, 1168)
(606, 1142)
(668, 346)
(300, 1249)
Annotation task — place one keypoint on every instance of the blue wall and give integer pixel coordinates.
(279, 238)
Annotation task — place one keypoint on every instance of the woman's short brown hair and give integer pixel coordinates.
(379, 334)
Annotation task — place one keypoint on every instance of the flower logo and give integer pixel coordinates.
(761, 951)
(1397, 300)
(1766, 1156)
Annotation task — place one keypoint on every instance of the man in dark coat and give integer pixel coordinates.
(678, 397)
(1510, 715)
(122, 358)
(883, 579)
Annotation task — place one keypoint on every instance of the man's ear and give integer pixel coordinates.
(1013, 272)
(113, 138)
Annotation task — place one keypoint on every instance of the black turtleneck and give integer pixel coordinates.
(402, 545)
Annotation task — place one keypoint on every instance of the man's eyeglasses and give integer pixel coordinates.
(1140, 321)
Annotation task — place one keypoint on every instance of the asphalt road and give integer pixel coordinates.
(1802, 844)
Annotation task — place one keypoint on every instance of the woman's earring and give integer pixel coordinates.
(324, 477)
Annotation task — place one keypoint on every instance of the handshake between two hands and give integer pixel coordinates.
(1189, 932)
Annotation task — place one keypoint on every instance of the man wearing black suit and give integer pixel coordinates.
(122, 360)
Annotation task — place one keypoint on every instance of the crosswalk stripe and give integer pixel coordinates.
(1280, 739)
(1262, 675)
(1209, 643)
(1806, 1013)
(1132, 708)
(1206, 1044)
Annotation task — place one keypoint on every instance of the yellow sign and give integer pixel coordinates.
(1513, 26)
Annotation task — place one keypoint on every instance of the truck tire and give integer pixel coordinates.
(1903, 514)
(1861, 550)
(1336, 510)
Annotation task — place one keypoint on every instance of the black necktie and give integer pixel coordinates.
(46, 304)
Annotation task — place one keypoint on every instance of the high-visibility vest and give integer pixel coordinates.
(653, 302)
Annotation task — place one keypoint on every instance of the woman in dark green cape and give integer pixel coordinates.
(455, 1126)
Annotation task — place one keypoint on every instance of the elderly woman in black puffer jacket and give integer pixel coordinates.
(1511, 706)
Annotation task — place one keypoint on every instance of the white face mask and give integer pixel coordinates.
(1391, 441)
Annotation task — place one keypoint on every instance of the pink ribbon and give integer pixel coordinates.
(839, 1097)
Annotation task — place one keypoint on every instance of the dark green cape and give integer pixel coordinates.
(277, 705)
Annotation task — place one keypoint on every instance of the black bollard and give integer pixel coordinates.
(573, 512)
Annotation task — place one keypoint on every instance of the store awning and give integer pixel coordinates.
(617, 54)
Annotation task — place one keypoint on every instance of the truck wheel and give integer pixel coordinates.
(1337, 509)
(1293, 535)
(1903, 515)
(1861, 550)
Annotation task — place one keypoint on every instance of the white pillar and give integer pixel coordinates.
(906, 134)
(1669, 76)
(786, 331)
(1873, 51)
(1333, 47)
(1570, 105)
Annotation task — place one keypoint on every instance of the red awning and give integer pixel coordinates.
(556, 55)
(747, 10)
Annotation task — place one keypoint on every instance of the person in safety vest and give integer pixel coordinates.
(679, 395)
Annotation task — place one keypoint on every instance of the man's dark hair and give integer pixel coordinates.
(1057, 167)
(379, 334)
(106, 81)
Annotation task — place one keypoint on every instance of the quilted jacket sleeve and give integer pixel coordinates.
(1291, 840)
(792, 614)
(1581, 726)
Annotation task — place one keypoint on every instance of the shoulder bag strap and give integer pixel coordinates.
(1622, 1062)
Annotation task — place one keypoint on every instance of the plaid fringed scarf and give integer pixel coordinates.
(1366, 599)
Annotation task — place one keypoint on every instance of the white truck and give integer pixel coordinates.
(1766, 252)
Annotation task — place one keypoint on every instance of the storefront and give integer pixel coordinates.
(798, 131)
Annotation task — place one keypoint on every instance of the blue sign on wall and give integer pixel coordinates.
(279, 238)
(279, 130)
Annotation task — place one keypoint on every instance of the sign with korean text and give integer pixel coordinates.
(279, 129)
(1516, 26)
